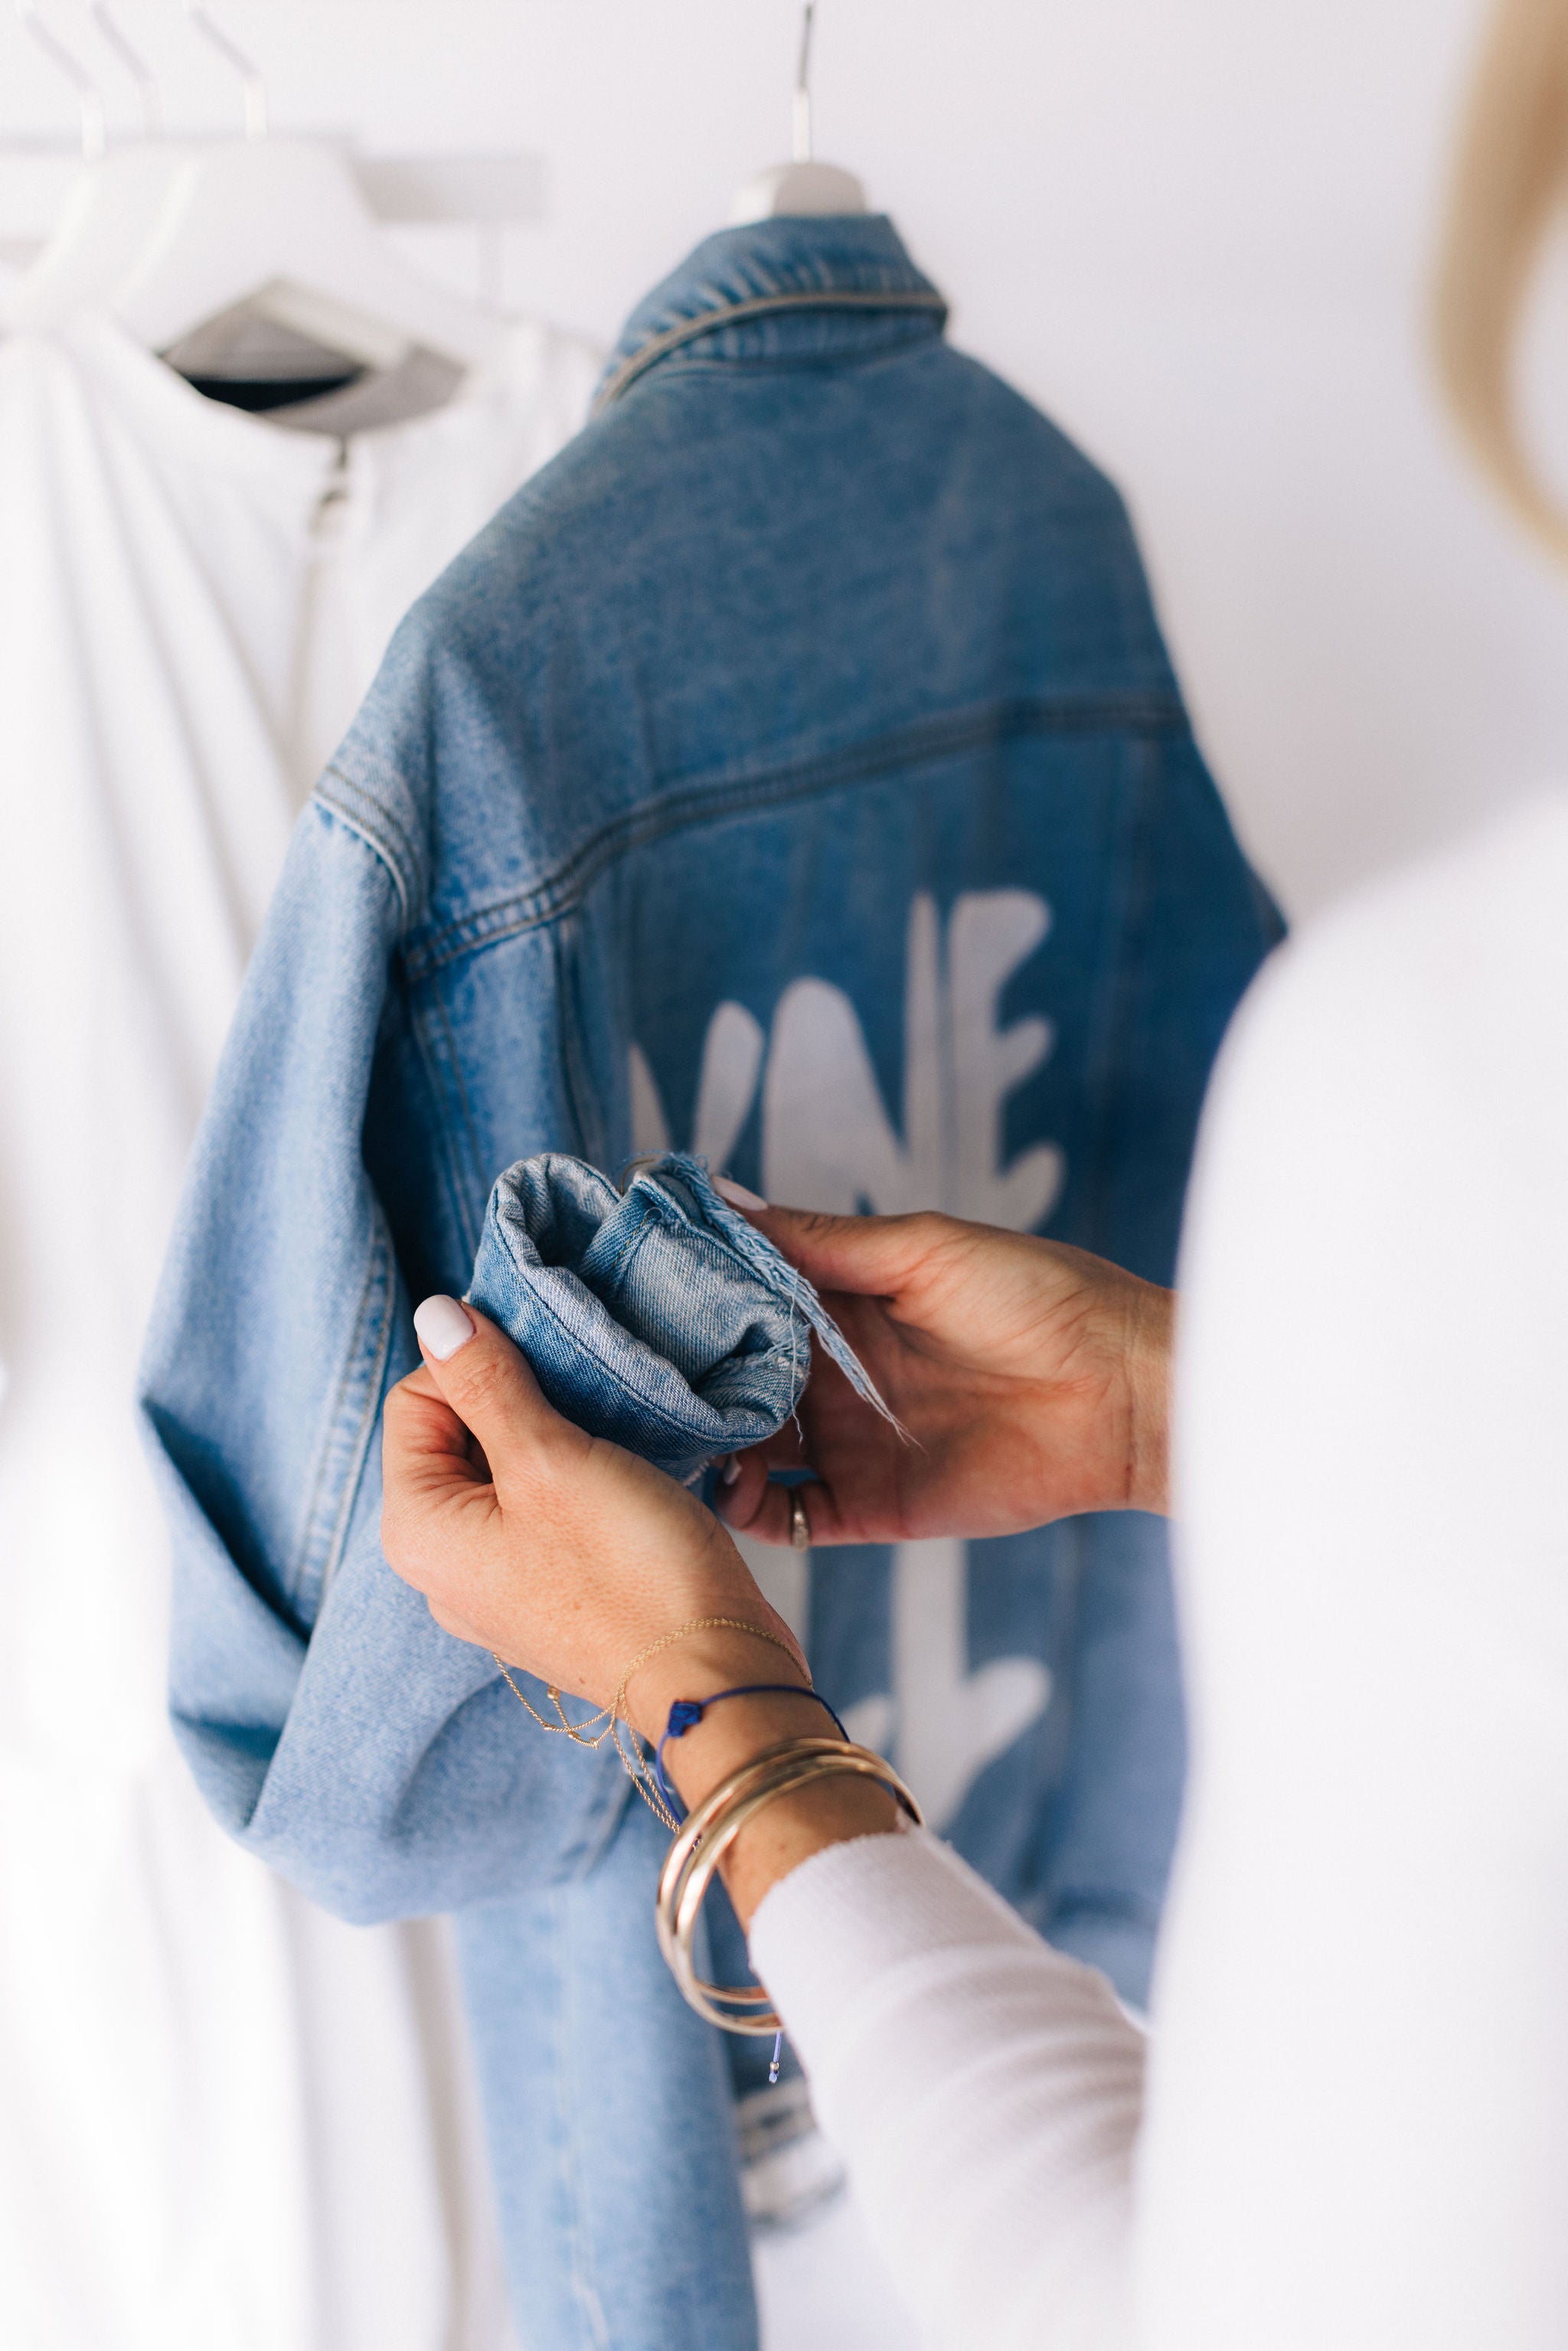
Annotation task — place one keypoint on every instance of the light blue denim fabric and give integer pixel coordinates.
(658, 1317)
(793, 774)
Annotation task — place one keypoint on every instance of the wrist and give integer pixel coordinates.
(734, 1733)
(788, 1830)
(701, 1667)
(794, 1826)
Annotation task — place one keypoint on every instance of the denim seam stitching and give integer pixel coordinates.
(757, 305)
(321, 1474)
(369, 1413)
(616, 1371)
(466, 1194)
(384, 849)
(638, 828)
(576, 1062)
(436, 1075)
(632, 1244)
(322, 1499)
(399, 844)
(674, 1217)
(718, 368)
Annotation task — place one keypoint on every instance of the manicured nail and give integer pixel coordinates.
(736, 1193)
(731, 1470)
(444, 1325)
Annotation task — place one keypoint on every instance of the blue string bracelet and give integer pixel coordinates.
(685, 1714)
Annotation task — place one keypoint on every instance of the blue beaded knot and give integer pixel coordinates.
(686, 1713)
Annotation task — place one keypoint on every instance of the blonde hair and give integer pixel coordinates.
(1510, 177)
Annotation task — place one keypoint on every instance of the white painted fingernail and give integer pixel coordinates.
(736, 1193)
(444, 1325)
(731, 1470)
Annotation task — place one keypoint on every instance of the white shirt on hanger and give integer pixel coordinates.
(227, 2120)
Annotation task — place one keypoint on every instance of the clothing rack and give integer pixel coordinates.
(483, 192)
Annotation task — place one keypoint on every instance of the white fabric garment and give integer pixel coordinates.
(822, 2286)
(226, 2119)
(1355, 2130)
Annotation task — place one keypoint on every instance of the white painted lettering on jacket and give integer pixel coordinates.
(827, 1142)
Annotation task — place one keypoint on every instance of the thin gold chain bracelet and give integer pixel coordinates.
(633, 1763)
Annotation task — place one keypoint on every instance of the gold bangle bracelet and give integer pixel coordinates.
(707, 1834)
(684, 1912)
(736, 2008)
(763, 1776)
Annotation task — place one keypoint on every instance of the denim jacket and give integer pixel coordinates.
(791, 773)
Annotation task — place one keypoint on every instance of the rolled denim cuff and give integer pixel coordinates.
(659, 1316)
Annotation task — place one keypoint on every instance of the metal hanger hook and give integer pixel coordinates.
(135, 66)
(233, 56)
(803, 139)
(90, 98)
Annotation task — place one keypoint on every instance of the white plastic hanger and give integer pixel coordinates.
(802, 185)
(116, 199)
(167, 236)
(90, 98)
(283, 225)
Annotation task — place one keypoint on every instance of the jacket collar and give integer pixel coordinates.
(850, 263)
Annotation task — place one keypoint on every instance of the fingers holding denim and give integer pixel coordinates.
(487, 1382)
(562, 1552)
(464, 1437)
(864, 1256)
(867, 1256)
(797, 1515)
(437, 1500)
(738, 1494)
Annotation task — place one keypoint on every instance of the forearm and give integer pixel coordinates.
(984, 2092)
(792, 1828)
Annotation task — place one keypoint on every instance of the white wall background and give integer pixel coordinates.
(1198, 231)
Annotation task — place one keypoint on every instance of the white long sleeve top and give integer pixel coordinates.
(1349, 2129)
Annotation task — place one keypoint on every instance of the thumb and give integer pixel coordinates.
(487, 1382)
(872, 1255)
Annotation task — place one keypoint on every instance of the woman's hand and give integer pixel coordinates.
(1032, 1378)
(558, 1550)
(568, 1556)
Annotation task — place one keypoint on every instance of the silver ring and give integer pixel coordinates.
(799, 1524)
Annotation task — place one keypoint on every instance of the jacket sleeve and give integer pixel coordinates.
(332, 1727)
